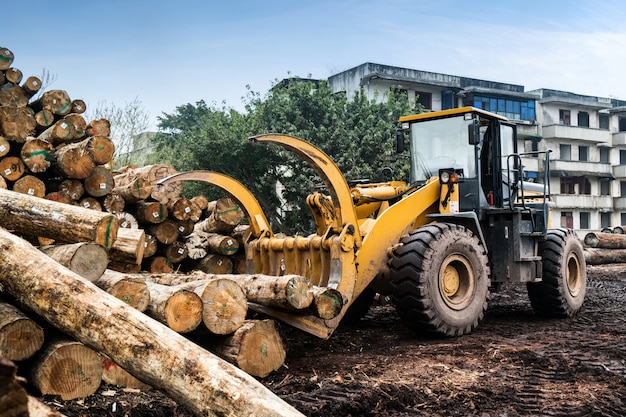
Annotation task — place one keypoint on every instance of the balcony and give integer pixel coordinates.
(587, 134)
(583, 201)
(559, 168)
(619, 203)
(619, 138)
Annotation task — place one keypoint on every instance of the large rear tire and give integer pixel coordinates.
(562, 291)
(440, 279)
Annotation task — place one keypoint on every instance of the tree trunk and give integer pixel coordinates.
(157, 355)
(78, 106)
(201, 201)
(13, 95)
(256, 348)
(57, 101)
(14, 75)
(101, 148)
(90, 203)
(127, 220)
(58, 133)
(5, 146)
(150, 246)
(31, 185)
(6, 58)
(44, 119)
(17, 123)
(99, 182)
(327, 302)
(20, 337)
(179, 208)
(152, 173)
(224, 215)
(178, 308)
(134, 191)
(114, 375)
(74, 189)
(89, 260)
(165, 232)
(214, 264)
(224, 301)
(13, 397)
(67, 368)
(113, 202)
(73, 161)
(213, 242)
(287, 291)
(79, 127)
(12, 168)
(133, 290)
(176, 251)
(36, 154)
(31, 85)
(600, 256)
(99, 127)
(129, 246)
(158, 265)
(605, 240)
(149, 212)
(32, 216)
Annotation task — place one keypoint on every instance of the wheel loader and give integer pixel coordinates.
(465, 224)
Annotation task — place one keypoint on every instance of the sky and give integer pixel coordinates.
(168, 54)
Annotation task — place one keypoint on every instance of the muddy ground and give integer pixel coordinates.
(514, 364)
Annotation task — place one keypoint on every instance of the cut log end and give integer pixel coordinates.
(183, 311)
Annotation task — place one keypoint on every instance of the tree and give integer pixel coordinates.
(127, 123)
(358, 134)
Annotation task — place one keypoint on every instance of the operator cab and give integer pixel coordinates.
(479, 146)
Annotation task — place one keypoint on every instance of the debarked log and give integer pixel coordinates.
(38, 217)
(600, 256)
(605, 240)
(20, 337)
(150, 351)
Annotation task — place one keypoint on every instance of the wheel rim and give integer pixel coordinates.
(574, 275)
(456, 281)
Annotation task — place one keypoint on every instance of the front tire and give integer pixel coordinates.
(562, 291)
(440, 279)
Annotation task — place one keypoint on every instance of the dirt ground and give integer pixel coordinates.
(514, 364)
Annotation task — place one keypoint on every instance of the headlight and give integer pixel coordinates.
(444, 177)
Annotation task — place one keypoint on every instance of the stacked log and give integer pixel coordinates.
(605, 248)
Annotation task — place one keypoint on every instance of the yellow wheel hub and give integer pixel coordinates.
(573, 275)
(457, 281)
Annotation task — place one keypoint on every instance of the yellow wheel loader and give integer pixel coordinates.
(465, 224)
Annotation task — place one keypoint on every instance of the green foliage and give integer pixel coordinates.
(358, 134)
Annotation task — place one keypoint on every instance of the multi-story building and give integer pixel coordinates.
(586, 136)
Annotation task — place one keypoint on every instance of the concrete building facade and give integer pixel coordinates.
(586, 135)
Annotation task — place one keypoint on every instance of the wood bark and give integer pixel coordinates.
(212, 242)
(59, 197)
(129, 246)
(36, 154)
(180, 309)
(601, 256)
(133, 290)
(287, 291)
(31, 185)
(13, 397)
(157, 355)
(20, 337)
(327, 302)
(32, 216)
(152, 173)
(89, 260)
(38, 409)
(256, 347)
(113, 374)
(67, 368)
(605, 240)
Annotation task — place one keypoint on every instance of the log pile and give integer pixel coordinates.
(75, 235)
(605, 247)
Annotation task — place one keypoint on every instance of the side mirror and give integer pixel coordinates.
(473, 132)
(399, 140)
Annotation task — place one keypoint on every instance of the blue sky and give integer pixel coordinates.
(168, 54)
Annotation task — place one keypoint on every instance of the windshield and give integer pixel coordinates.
(441, 143)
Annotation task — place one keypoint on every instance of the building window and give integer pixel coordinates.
(623, 218)
(584, 220)
(583, 153)
(567, 220)
(512, 109)
(622, 124)
(622, 157)
(605, 187)
(583, 119)
(425, 99)
(564, 117)
(603, 121)
(575, 185)
(605, 155)
(447, 100)
(565, 152)
(605, 220)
